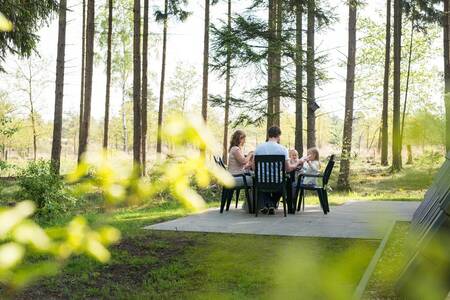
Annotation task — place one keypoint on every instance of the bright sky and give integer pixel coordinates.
(185, 44)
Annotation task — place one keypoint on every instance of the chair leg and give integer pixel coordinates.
(255, 203)
(229, 198)
(249, 202)
(284, 202)
(325, 197)
(223, 200)
(238, 192)
(304, 200)
(322, 202)
(302, 191)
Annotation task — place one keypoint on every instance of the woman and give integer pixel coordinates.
(238, 163)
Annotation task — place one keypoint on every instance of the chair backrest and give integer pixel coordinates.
(270, 172)
(328, 170)
(219, 161)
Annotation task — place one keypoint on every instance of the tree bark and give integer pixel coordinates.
(299, 81)
(83, 73)
(205, 63)
(137, 83)
(90, 31)
(59, 88)
(311, 76)
(385, 112)
(277, 66)
(163, 77)
(227, 91)
(408, 76)
(144, 88)
(344, 173)
(447, 71)
(270, 64)
(108, 75)
(396, 139)
(32, 110)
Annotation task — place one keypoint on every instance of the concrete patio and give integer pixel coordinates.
(367, 220)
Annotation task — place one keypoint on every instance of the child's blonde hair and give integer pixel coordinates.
(293, 151)
(315, 152)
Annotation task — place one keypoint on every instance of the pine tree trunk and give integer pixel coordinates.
(311, 76)
(83, 73)
(385, 113)
(299, 81)
(396, 139)
(108, 75)
(90, 31)
(227, 91)
(408, 76)
(344, 173)
(59, 89)
(32, 110)
(137, 83)
(163, 77)
(205, 63)
(270, 64)
(447, 71)
(277, 66)
(144, 88)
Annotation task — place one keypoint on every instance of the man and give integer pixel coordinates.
(273, 147)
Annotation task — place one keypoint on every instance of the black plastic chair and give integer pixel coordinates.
(227, 194)
(270, 177)
(320, 190)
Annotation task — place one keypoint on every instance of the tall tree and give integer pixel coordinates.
(396, 139)
(108, 74)
(277, 64)
(90, 32)
(206, 62)
(344, 173)
(447, 71)
(83, 73)
(163, 77)
(387, 65)
(144, 88)
(311, 76)
(59, 88)
(227, 88)
(137, 82)
(270, 63)
(299, 78)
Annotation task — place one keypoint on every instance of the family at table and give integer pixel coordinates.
(241, 163)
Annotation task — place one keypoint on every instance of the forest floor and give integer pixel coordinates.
(150, 264)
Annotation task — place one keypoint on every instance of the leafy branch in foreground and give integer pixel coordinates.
(119, 183)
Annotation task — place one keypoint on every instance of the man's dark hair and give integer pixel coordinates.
(274, 132)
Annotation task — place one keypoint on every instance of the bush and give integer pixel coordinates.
(40, 184)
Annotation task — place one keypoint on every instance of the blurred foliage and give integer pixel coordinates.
(119, 183)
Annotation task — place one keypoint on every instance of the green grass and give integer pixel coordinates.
(164, 265)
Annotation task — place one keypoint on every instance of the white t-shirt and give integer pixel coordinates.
(272, 148)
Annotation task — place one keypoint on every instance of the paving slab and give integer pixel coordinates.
(358, 219)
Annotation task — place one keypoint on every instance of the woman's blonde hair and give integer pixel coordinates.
(315, 152)
(236, 138)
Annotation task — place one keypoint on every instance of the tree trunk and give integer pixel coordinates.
(108, 75)
(124, 122)
(144, 88)
(385, 113)
(205, 63)
(408, 76)
(163, 77)
(59, 89)
(344, 173)
(311, 76)
(32, 110)
(270, 64)
(299, 81)
(447, 71)
(227, 91)
(410, 157)
(396, 139)
(90, 31)
(83, 73)
(137, 83)
(277, 66)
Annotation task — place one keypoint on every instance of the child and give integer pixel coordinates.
(311, 166)
(293, 156)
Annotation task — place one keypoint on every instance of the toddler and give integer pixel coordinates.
(311, 166)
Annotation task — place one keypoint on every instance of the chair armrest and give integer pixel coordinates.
(312, 175)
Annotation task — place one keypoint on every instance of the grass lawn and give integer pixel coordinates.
(149, 264)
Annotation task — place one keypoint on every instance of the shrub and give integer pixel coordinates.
(40, 184)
